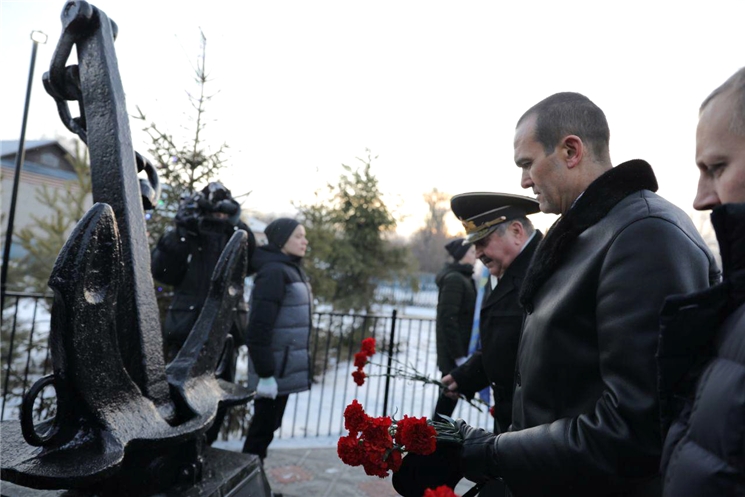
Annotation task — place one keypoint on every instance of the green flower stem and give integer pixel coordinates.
(415, 375)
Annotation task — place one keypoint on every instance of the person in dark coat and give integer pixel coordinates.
(585, 415)
(456, 302)
(506, 249)
(702, 343)
(279, 326)
(185, 257)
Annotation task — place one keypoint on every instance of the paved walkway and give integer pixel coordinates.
(318, 472)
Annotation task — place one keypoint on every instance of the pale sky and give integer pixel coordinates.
(433, 88)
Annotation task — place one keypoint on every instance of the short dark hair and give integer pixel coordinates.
(569, 113)
(736, 84)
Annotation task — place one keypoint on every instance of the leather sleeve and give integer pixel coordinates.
(449, 302)
(266, 300)
(618, 440)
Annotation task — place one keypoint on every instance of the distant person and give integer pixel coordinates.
(456, 301)
(279, 327)
(586, 412)
(185, 257)
(702, 346)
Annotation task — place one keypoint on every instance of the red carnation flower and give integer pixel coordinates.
(368, 346)
(355, 418)
(394, 460)
(349, 451)
(441, 491)
(373, 461)
(376, 432)
(360, 359)
(416, 435)
(359, 377)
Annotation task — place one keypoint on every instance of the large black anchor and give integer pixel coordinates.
(125, 422)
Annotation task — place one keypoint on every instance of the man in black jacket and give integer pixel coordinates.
(505, 239)
(585, 417)
(456, 301)
(185, 257)
(703, 334)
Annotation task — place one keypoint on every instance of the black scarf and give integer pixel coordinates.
(595, 203)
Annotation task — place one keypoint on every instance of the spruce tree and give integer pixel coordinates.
(183, 165)
(350, 231)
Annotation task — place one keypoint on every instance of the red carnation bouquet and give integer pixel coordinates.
(399, 370)
(441, 491)
(378, 444)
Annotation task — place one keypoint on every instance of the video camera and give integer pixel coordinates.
(212, 199)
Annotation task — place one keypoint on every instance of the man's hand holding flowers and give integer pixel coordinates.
(478, 460)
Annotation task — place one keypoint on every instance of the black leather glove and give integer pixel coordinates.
(418, 472)
(478, 460)
(188, 214)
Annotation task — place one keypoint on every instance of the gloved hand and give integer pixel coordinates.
(460, 360)
(418, 473)
(267, 388)
(188, 214)
(452, 387)
(478, 461)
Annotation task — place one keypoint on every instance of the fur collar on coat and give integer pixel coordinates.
(595, 203)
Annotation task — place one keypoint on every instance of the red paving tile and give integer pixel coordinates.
(289, 474)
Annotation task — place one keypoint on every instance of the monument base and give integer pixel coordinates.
(225, 473)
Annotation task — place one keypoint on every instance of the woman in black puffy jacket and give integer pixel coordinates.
(278, 330)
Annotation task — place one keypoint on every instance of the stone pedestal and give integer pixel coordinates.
(225, 474)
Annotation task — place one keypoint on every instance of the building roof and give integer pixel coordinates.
(10, 147)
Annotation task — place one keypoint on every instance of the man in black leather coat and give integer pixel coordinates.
(585, 418)
(185, 257)
(702, 345)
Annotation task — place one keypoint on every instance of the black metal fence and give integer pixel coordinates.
(315, 413)
(401, 294)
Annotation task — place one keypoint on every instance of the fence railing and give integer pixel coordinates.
(315, 413)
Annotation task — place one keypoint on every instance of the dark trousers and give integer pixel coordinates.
(445, 405)
(266, 419)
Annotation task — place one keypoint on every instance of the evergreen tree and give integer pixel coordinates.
(183, 166)
(349, 235)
